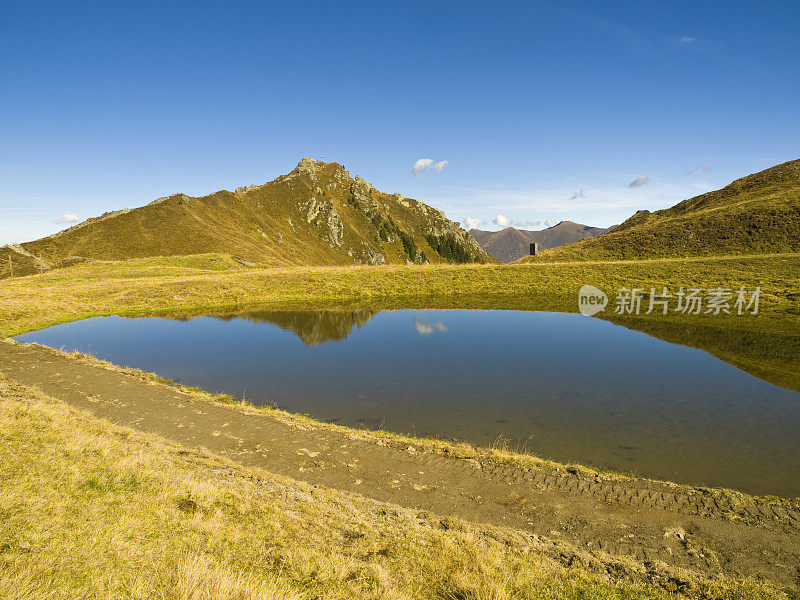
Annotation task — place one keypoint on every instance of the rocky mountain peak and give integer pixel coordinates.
(316, 169)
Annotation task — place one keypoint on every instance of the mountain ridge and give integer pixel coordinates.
(317, 214)
(510, 244)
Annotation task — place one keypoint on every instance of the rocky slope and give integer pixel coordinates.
(315, 215)
(511, 244)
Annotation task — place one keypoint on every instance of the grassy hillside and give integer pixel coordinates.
(213, 284)
(759, 213)
(511, 244)
(179, 523)
(202, 283)
(315, 215)
(94, 510)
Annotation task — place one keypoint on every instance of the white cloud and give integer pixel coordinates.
(472, 223)
(424, 328)
(527, 223)
(688, 39)
(603, 205)
(556, 200)
(639, 181)
(67, 218)
(700, 169)
(421, 165)
(550, 222)
(501, 221)
(424, 164)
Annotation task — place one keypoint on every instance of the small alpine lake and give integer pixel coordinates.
(562, 386)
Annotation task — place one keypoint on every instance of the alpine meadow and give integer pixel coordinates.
(539, 339)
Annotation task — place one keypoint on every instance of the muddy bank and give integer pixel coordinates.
(651, 523)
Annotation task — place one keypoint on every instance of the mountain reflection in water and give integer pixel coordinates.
(312, 327)
(568, 387)
(772, 355)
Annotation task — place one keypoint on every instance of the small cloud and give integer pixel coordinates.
(699, 169)
(550, 222)
(421, 165)
(424, 164)
(688, 39)
(527, 223)
(579, 195)
(472, 223)
(67, 218)
(639, 181)
(424, 328)
(501, 221)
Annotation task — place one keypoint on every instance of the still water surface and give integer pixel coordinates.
(562, 386)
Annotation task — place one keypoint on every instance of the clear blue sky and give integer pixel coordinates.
(542, 111)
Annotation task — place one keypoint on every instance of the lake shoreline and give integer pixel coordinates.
(641, 405)
(481, 485)
(669, 537)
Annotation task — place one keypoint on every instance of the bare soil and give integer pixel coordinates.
(660, 530)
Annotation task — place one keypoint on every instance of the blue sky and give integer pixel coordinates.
(543, 111)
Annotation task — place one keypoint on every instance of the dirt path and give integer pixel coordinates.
(660, 526)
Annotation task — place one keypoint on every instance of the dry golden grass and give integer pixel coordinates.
(92, 510)
(200, 283)
(110, 513)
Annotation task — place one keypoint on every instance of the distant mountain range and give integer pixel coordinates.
(315, 215)
(319, 215)
(511, 244)
(756, 214)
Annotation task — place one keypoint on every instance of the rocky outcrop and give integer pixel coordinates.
(313, 168)
(321, 213)
(244, 263)
(278, 236)
(247, 188)
(310, 167)
(361, 192)
(372, 256)
(179, 197)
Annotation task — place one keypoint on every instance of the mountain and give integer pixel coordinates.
(756, 214)
(511, 244)
(316, 215)
(312, 327)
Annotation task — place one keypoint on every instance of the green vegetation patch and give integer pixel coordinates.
(450, 247)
